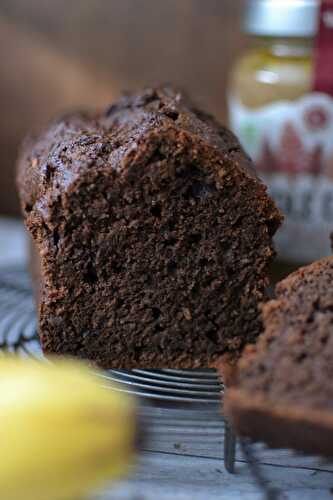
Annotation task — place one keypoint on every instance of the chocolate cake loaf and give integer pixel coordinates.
(153, 233)
(284, 391)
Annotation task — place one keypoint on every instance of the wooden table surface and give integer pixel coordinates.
(182, 457)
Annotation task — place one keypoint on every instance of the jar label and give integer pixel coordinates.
(291, 143)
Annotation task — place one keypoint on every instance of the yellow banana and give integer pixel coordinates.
(61, 432)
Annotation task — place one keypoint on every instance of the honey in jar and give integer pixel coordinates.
(281, 108)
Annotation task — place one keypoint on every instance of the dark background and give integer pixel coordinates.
(58, 55)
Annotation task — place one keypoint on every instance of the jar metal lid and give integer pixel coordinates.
(282, 18)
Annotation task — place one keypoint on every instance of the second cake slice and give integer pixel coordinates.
(284, 392)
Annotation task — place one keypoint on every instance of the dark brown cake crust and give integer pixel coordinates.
(284, 391)
(153, 232)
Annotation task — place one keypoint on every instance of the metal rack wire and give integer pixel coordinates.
(198, 390)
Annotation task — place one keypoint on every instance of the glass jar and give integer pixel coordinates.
(273, 69)
(284, 120)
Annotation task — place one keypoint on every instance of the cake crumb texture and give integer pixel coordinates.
(153, 234)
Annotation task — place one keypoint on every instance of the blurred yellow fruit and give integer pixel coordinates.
(61, 432)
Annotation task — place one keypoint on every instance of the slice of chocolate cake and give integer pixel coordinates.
(284, 391)
(153, 232)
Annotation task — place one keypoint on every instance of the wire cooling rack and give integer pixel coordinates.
(198, 391)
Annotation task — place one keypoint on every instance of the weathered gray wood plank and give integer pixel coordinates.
(201, 434)
(173, 477)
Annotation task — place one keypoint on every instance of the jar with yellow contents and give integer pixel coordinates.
(281, 107)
